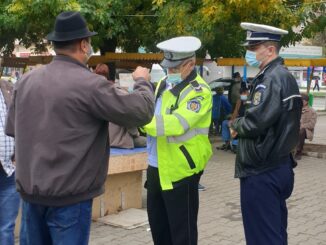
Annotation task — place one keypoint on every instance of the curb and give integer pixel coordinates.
(315, 154)
(315, 150)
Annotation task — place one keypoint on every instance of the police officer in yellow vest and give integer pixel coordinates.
(178, 145)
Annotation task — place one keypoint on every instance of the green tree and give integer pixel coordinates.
(29, 21)
(134, 23)
(217, 23)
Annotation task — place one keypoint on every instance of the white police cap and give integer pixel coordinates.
(178, 49)
(257, 33)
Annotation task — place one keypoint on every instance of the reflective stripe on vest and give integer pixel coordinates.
(182, 121)
(159, 125)
(188, 135)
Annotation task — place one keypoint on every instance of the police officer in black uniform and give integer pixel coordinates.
(267, 134)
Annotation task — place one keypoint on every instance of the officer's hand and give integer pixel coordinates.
(233, 133)
(230, 122)
(141, 72)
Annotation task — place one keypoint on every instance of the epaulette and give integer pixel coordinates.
(196, 86)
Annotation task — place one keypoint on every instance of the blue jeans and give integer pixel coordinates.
(9, 205)
(66, 225)
(225, 131)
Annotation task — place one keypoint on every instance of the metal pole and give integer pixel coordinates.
(244, 73)
(308, 79)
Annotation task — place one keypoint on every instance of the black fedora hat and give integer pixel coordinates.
(69, 26)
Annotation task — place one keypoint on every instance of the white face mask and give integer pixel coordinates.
(243, 97)
(174, 78)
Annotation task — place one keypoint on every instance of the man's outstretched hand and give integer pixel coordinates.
(141, 72)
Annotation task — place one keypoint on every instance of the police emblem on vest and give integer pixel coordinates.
(193, 105)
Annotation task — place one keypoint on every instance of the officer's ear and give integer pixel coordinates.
(189, 64)
(271, 49)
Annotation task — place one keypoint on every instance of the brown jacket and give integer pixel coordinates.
(308, 121)
(122, 137)
(59, 117)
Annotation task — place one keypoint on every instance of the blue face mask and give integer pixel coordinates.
(251, 59)
(174, 78)
(243, 97)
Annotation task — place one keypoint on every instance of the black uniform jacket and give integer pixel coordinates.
(269, 130)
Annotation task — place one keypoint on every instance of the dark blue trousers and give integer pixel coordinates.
(263, 205)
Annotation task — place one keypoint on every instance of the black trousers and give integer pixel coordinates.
(316, 86)
(302, 137)
(173, 214)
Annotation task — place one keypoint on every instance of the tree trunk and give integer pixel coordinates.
(309, 79)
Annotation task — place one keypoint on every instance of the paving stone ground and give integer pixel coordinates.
(220, 221)
(220, 217)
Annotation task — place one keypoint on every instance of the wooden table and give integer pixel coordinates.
(123, 186)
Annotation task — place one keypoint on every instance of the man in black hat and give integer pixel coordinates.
(59, 117)
(267, 133)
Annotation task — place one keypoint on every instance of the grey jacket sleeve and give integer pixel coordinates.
(116, 105)
(264, 111)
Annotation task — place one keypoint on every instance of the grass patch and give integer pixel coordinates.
(319, 94)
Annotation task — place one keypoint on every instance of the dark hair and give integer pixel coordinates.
(236, 74)
(67, 45)
(243, 90)
(277, 45)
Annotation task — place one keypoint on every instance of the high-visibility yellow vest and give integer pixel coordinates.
(181, 129)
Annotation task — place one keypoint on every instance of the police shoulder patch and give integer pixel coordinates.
(257, 97)
(258, 94)
(194, 105)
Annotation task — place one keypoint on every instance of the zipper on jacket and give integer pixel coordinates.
(188, 157)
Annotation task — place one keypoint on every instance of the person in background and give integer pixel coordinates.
(234, 90)
(17, 75)
(316, 84)
(119, 136)
(9, 197)
(125, 138)
(220, 110)
(307, 125)
(229, 143)
(59, 117)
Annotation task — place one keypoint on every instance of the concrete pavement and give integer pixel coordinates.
(320, 129)
(220, 217)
